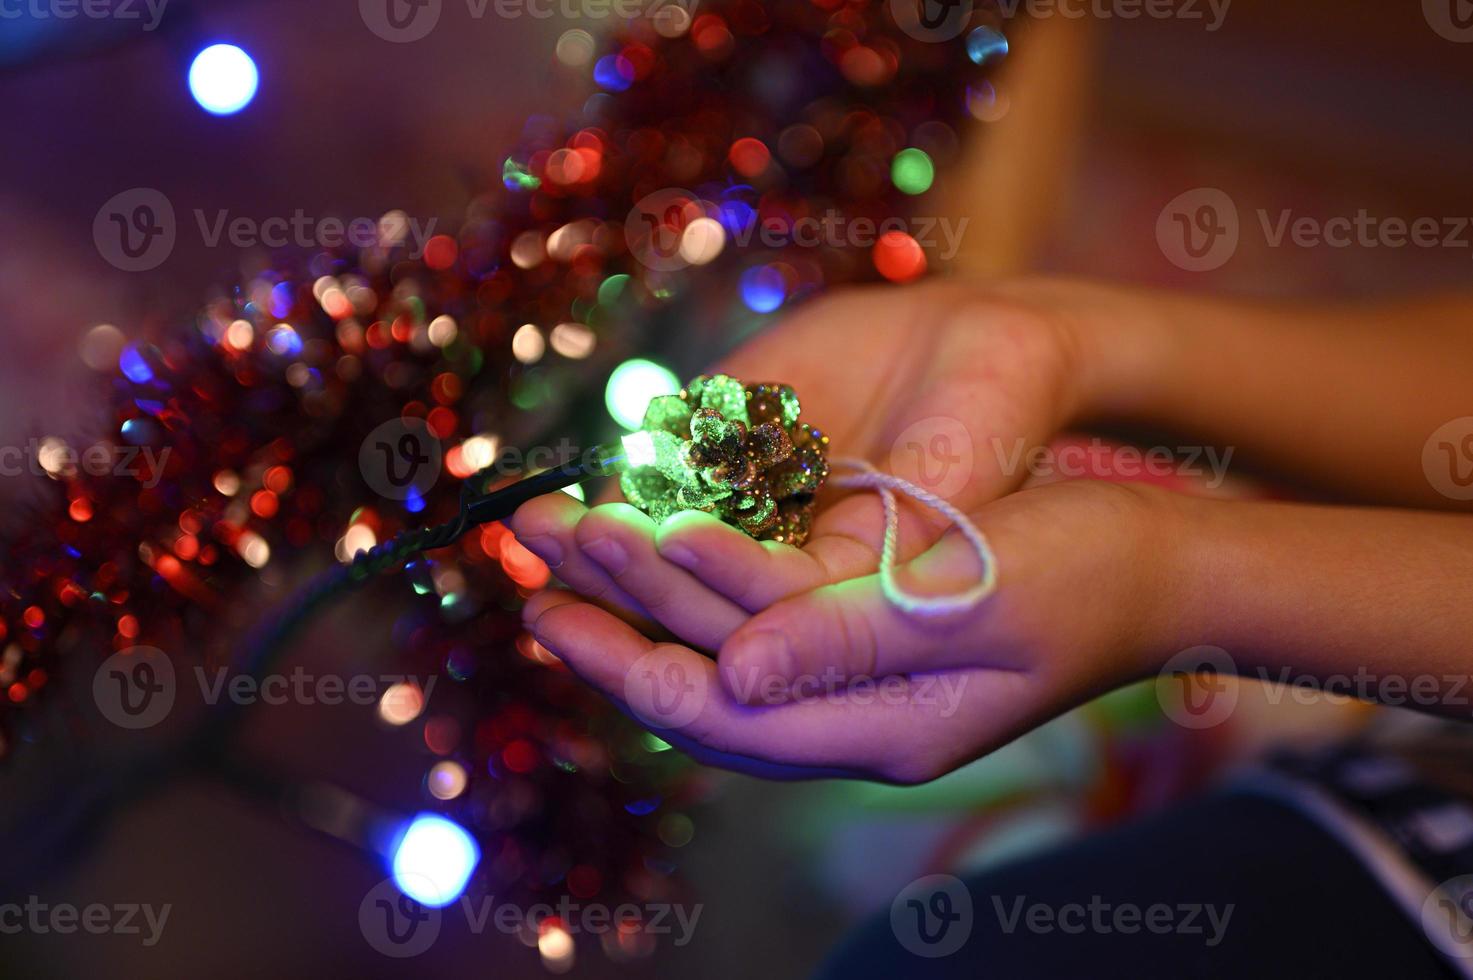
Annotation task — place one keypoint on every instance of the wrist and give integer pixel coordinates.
(1123, 348)
(1169, 534)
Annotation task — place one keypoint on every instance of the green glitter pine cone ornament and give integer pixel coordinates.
(737, 451)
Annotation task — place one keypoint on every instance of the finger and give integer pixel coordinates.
(676, 691)
(621, 540)
(546, 527)
(852, 629)
(552, 637)
(755, 574)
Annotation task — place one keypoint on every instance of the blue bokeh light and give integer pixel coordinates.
(134, 366)
(613, 72)
(223, 79)
(434, 859)
(986, 45)
(763, 289)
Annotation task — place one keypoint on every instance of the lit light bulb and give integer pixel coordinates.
(632, 385)
(434, 859)
(223, 79)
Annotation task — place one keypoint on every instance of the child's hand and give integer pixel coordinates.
(873, 368)
(881, 371)
(1098, 583)
(1085, 569)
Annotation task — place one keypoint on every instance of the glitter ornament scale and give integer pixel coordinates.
(737, 451)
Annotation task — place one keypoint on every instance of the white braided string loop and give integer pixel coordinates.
(867, 477)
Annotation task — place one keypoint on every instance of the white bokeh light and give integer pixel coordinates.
(223, 79)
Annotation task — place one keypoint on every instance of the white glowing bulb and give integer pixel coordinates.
(434, 860)
(223, 79)
(639, 449)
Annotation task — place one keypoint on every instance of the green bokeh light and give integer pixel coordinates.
(912, 171)
(632, 385)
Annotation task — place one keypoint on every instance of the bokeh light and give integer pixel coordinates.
(223, 79)
(899, 257)
(912, 171)
(632, 385)
(985, 45)
(434, 860)
(763, 289)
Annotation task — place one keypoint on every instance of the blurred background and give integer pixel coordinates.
(1321, 107)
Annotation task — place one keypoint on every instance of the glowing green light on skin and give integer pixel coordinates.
(631, 387)
(912, 171)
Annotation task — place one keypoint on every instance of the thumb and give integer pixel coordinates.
(851, 630)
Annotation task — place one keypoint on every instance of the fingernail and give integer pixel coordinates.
(546, 547)
(766, 661)
(608, 553)
(680, 555)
